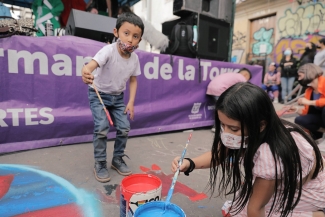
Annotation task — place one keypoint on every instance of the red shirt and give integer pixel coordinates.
(68, 5)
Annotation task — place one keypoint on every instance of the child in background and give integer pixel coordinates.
(272, 79)
(222, 82)
(276, 170)
(116, 64)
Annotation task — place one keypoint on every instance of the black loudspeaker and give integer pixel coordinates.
(213, 38)
(219, 9)
(168, 26)
(213, 35)
(184, 7)
(92, 26)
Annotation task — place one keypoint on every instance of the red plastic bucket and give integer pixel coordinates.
(137, 190)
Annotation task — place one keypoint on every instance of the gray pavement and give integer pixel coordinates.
(74, 163)
(148, 154)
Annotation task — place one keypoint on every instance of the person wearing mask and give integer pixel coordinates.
(309, 54)
(4, 11)
(271, 82)
(288, 66)
(221, 83)
(268, 166)
(151, 35)
(312, 115)
(319, 59)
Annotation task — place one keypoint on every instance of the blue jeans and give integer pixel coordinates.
(270, 88)
(115, 106)
(286, 84)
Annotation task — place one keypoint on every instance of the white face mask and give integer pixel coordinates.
(231, 141)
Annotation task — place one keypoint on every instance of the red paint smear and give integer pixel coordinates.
(5, 182)
(144, 169)
(70, 210)
(155, 167)
(198, 197)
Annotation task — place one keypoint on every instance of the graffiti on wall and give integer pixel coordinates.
(263, 44)
(306, 20)
(296, 44)
(300, 2)
(306, 24)
(238, 47)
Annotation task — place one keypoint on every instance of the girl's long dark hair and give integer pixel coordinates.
(250, 105)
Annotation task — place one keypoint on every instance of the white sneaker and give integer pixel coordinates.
(213, 129)
(275, 100)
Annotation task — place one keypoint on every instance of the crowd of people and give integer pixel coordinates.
(287, 70)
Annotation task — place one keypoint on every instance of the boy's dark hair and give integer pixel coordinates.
(125, 8)
(322, 41)
(130, 18)
(246, 69)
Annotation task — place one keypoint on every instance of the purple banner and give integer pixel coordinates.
(43, 101)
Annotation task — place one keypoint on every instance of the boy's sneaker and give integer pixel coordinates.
(120, 166)
(101, 172)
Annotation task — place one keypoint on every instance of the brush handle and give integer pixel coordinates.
(101, 101)
(171, 190)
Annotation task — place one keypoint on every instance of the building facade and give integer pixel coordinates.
(263, 29)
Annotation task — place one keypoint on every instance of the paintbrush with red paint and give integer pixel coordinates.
(101, 102)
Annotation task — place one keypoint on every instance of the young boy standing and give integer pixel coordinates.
(116, 64)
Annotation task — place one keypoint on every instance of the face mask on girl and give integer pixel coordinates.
(127, 49)
(232, 141)
(287, 52)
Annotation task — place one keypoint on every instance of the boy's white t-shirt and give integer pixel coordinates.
(114, 70)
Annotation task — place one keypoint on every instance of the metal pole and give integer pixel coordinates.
(231, 29)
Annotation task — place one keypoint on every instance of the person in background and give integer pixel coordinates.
(309, 54)
(272, 82)
(103, 7)
(319, 59)
(268, 166)
(4, 11)
(288, 66)
(115, 64)
(68, 6)
(312, 115)
(222, 82)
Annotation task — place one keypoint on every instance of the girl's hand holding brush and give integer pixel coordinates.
(182, 168)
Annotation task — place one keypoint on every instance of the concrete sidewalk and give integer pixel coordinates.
(150, 154)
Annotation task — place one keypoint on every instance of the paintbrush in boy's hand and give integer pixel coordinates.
(101, 101)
